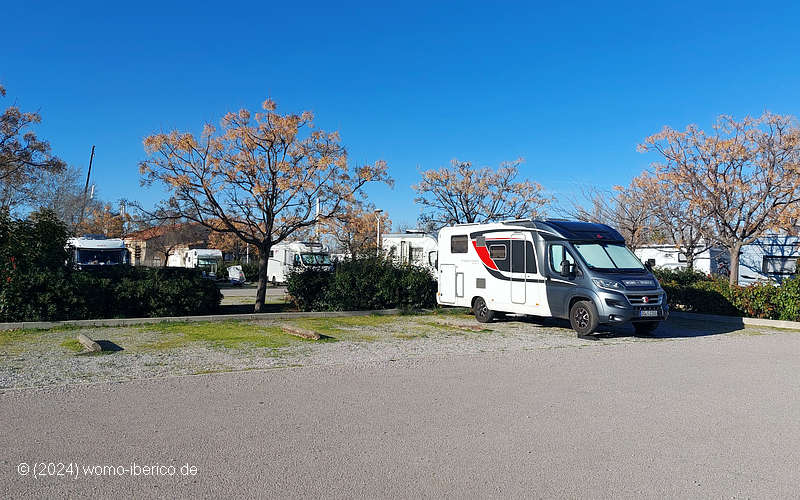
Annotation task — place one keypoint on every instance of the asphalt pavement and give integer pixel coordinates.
(715, 416)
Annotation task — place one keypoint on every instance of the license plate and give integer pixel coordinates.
(648, 314)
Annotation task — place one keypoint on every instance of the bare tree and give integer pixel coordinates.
(356, 229)
(463, 194)
(623, 208)
(682, 223)
(23, 156)
(259, 178)
(744, 174)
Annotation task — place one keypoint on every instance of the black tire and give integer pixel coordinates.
(583, 317)
(645, 327)
(274, 282)
(482, 312)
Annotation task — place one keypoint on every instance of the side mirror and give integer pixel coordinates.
(566, 269)
(648, 265)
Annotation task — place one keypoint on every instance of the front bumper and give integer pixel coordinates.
(615, 307)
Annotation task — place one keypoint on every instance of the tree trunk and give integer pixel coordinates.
(261, 292)
(734, 250)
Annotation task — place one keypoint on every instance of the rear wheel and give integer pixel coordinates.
(645, 327)
(583, 317)
(482, 312)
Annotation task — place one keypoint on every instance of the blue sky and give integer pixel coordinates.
(570, 88)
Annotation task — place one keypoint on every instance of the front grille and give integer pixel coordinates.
(639, 299)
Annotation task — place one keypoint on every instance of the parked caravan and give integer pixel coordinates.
(94, 251)
(285, 258)
(413, 247)
(207, 260)
(770, 258)
(712, 260)
(552, 268)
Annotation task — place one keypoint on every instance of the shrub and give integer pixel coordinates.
(717, 296)
(363, 284)
(37, 283)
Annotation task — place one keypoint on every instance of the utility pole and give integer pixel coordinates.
(378, 236)
(86, 187)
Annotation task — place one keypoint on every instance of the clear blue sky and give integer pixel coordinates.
(571, 89)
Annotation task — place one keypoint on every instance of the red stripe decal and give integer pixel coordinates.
(483, 253)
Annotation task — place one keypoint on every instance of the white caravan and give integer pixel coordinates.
(286, 258)
(553, 268)
(91, 252)
(770, 258)
(413, 247)
(712, 260)
(205, 259)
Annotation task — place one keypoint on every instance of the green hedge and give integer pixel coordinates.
(691, 291)
(38, 283)
(363, 284)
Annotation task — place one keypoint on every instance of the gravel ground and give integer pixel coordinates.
(41, 358)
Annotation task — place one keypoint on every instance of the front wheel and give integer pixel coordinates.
(482, 312)
(645, 327)
(583, 317)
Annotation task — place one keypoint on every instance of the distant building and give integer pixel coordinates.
(166, 245)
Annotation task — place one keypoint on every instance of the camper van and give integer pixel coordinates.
(205, 259)
(413, 247)
(773, 257)
(95, 251)
(710, 261)
(285, 258)
(552, 268)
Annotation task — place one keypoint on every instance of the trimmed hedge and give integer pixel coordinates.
(38, 283)
(696, 292)
(363, 284)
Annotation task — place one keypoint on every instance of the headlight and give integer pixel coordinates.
(609, 284)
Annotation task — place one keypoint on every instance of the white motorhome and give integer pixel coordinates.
(773, 257)
(413, 247)
(205, 259)
(286, 258)
(552, 268)
(712, 260)
(93, 251)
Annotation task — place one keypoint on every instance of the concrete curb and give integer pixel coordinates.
(774, 323)
(219, 317)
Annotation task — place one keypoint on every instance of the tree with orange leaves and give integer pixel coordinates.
(745, 174)
(355, 229)
(462, 194)
(259, 177)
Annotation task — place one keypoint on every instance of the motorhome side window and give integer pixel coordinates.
(497, 252)
(559, 253)
(458, 244)
(297, 260)
(779, 265)
(272, 253)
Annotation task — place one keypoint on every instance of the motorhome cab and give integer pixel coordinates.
(285, 258)
(92, 252)
(553, 268)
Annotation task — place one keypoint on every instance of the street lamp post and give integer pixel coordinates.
(378, 237)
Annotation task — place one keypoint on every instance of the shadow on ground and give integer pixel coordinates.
(671, 328)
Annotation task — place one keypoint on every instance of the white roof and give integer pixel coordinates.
(207, 252)
(97, 244)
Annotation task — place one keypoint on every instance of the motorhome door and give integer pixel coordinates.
(518, 264)
(447, 283)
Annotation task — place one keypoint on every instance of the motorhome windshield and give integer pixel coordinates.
(608, 257)
(316, 259)
(99, 257)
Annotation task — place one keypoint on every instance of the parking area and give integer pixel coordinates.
(52, 357)
(415, 407)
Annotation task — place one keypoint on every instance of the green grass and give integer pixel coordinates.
(346, 328)
(227, 334)
(72, 345)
